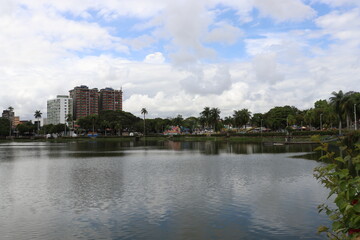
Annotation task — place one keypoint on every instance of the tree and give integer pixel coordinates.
(105, 124)
(256, 119)
(341, 177)
(337, 101)
(276, 118)
(69, 120)
(4, 126)
(241, 117)
(10, 109)
(37, 115)
(214, 118)
(291, 119)
(351, 100)
(191, 123)
(89, 122)
(144, 112)
(26, 128)
(205, 117)
(178, 120)
(228, 121)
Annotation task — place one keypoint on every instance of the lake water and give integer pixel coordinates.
(168, 190)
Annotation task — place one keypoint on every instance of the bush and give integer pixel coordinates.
(341, 177)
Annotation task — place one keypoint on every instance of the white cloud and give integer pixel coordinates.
(224, 33)
(294, 10)
(140, 42)
(155, 58)
(341, 26)
(45, 52)
(339, 3)
(208, 83)
(266, 69)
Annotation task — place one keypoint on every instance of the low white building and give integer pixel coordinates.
(58, 109)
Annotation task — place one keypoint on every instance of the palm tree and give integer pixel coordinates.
(348, 107)
(37, 115)
(144, 112)
(228, 121)
(337, 101)
(214, 117)
(205, 116)
(105, 124)
(93, 118)
(118, 127)
(10, 109)
(241, 117)
(69, 120)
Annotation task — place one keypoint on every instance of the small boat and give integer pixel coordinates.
(278, 144)
(273, 144)
(92, 134)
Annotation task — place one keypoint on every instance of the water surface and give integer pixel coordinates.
(159, 190)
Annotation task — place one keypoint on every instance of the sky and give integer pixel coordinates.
(178, 56)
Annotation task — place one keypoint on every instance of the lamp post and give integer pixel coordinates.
(355, 116)
(261, 126)
(321, 122)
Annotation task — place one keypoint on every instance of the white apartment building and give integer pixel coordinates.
(58, 109)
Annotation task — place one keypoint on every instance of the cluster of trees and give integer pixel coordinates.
(24, 129)
(338, 110)
(325, 114)
(110, 122)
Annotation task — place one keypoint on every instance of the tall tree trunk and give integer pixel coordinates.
(144, 124)
(340, 126)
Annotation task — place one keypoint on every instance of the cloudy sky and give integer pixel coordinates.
(178, 56)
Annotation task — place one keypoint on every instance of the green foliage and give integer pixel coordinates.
(241, 117)
(4, 126)
(27, 128)
(178, 121)
(256, 119)
(341, 177)
(276, 118)
(191, 123)
(116, 121)
(210, 117)
(58, 128)
(311, 133)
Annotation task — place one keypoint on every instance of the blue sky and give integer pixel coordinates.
(176, 57)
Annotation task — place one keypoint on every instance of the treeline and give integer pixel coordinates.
(338, 111)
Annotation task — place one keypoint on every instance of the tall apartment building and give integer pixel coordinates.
(110, 99)
(85, 101)
(58, 109)
(9, 114)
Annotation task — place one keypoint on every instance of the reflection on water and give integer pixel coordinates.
(157, 190)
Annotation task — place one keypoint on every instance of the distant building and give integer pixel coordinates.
(173, 130)
(110, 99)
(9, 114)
(16, 121)
(90, 101)
(85, 101)
(58, 109)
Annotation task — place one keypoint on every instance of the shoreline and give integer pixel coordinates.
(275, 140)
